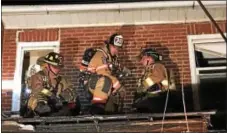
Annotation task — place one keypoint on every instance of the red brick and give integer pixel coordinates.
(6, 100)
(203, 28)
(224, 26)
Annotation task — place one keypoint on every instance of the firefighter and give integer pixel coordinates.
(33, 69)
(51, 93)
(104, 85)
(154, 80)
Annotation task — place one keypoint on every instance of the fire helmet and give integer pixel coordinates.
(54, 59)
(116, 40)
(150, 52)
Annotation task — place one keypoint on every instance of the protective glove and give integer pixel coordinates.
(56, 102)
(53, 99)
(126, 71)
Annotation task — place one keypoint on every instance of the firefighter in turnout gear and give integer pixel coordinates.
(32, 70)
(51, 93)
(155, 79)
(107, 93)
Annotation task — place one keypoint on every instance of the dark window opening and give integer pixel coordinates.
(212, 81)
(207, 60)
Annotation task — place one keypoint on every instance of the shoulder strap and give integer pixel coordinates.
(57, 89)
(59, 78)
(105, 53)
(45, 79)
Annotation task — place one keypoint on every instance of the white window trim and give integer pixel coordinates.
(21, 47)
(7, 85)
(192, 39)
(105, 6)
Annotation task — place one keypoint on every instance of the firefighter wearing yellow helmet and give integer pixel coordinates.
(105, 87)
(51, 91)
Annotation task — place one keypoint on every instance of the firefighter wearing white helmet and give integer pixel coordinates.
(105, 88)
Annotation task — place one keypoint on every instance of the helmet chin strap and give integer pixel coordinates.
(108, 49)
(148, 62)
(50, 70)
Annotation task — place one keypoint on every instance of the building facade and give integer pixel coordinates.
(173, 28)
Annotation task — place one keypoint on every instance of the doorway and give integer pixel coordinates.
(27, 54)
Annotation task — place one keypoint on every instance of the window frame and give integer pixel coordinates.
(21, 48)
(192, 40)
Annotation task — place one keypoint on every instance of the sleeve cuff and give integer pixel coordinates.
(165, 83)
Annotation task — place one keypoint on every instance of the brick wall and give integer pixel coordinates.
(36, 35)
(8, 54)
(172, 39)
(6, 100)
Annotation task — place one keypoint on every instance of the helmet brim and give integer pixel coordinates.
(53, 64)
(40, 60)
